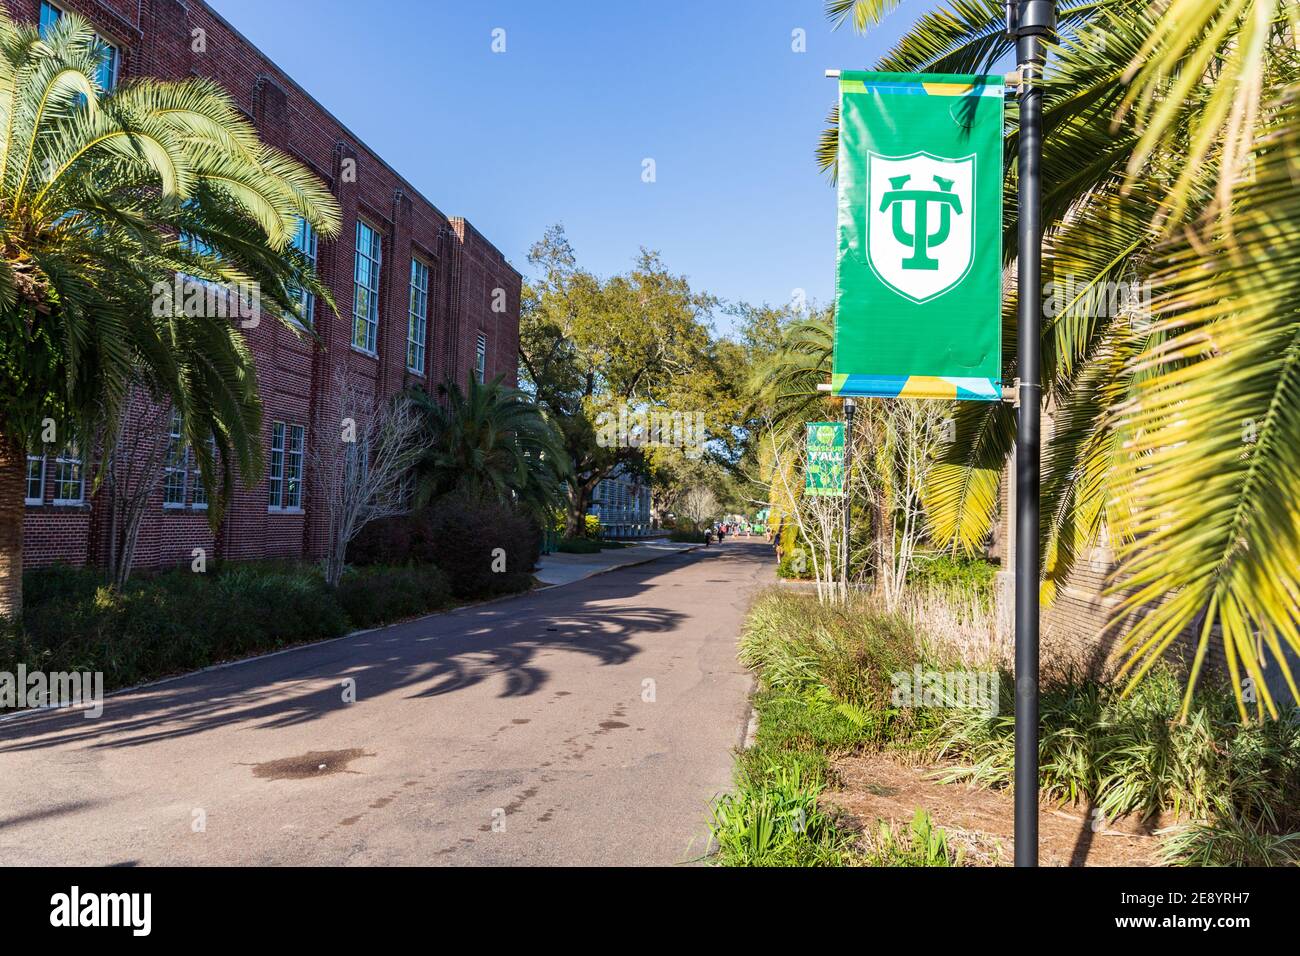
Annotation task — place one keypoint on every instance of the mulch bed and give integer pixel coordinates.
(875, 787)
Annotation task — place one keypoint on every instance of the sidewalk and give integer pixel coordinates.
(556, 569)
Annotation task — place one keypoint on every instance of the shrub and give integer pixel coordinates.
(591, 526)
(385, 541)
(687, 537)
(577, 546)
(165, 623)
(459, 535)
(378, 595)
(968, 577)
(465, 534)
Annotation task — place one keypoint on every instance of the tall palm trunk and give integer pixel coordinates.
(13, 483)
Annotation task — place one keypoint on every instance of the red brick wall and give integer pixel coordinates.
(157, 38)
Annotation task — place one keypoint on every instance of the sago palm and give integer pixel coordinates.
(104, 195)
(1162, 120)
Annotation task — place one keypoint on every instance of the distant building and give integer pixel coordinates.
(622, 503)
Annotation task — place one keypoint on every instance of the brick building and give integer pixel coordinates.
(438, 302)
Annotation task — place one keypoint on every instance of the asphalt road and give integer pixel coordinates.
(588, 724)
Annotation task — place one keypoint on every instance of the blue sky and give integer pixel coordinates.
(556, 128)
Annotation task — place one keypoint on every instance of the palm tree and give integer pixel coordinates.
(1168, 162)
(102, 196)
(490, 442)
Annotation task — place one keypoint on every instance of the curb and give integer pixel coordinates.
(616, 567)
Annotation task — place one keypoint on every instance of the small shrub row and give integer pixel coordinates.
(377, 595)
(178, 621)
(165, 623)
(483, 548)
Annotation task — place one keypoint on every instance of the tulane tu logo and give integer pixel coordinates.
(921, 239)
(920, 222)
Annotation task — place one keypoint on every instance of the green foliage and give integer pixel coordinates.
(1134, 755)
(921, 844)
(168, 623)
(105, 194)
(1230, 840)
(591, 526)
(777, 822)
(593, 349)
(379, 595)
(825, 690)
(796, 644)
(489, 442)
(483, 548)
(969, 578)
(461, 536)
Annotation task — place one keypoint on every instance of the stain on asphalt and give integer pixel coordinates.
(348, 821)
(520, 720)
(612, 724)
(314, 763)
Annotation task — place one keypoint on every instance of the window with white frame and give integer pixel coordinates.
(69, 483)
(109, 58)
(305, 241)
(35, 494)
(480, 358)
(418, 321)
(365, 289)
(286, 466)
(176, 466)
(200, 499)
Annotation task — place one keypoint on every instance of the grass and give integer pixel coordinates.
(825, 691)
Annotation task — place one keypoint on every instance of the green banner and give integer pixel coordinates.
(824, 472)
(918, 288)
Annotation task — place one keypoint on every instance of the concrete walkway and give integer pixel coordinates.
(555, 569)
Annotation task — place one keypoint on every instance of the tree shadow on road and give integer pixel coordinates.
(432, 657)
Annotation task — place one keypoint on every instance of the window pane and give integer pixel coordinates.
(35, 479)
(306, 242)
(68, 486)
(293, 468)
(175, 469)
(275, 469)
(365, 298)
(107, 74)
(418, 312)
(49, 16)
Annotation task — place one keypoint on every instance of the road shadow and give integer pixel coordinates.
(435, 656)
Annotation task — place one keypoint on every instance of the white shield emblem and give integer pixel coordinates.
(920, 222)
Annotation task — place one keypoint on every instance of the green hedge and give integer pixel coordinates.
(179, 621)
(165, 623)
(376, 595)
